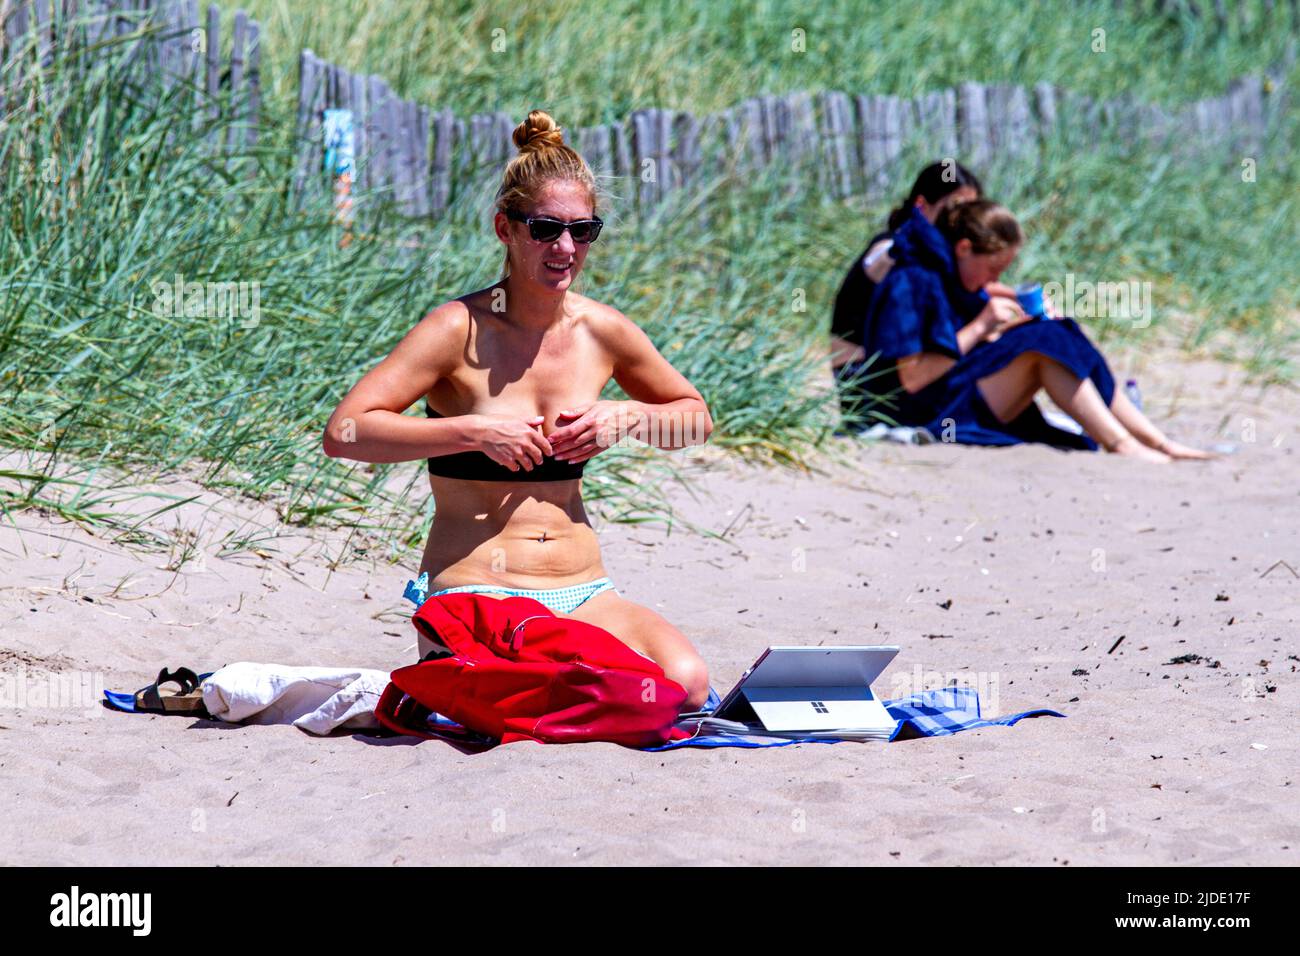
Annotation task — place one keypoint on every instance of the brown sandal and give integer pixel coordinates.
(188, 700)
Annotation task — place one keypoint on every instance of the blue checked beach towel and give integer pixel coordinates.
(930, 713)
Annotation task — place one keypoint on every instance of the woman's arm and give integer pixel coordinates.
(843, 351)
(975, 331)
(663, 410)
(368, 424)
(877, 262)
(917, 371)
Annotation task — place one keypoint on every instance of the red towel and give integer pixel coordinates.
(518, 672)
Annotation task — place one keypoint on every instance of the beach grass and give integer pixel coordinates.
(114, 196)
(593, 62)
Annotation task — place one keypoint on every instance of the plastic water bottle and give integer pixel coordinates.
(1134, 393)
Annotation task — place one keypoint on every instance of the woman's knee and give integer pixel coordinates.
(1042, 366)
(690, 671)
(646, 632)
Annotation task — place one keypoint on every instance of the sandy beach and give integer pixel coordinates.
(1068, 581)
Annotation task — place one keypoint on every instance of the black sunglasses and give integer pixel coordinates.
(546, 229)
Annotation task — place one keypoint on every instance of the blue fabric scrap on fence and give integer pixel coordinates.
(340, 142)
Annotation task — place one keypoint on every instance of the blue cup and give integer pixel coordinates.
(1030, 297)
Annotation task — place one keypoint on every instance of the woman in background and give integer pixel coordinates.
(937, 186)
(966, 365)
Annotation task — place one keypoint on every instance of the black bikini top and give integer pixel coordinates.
(478, 466)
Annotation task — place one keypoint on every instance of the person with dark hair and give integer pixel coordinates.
(945, 355)
(511, 376)
(937, 186)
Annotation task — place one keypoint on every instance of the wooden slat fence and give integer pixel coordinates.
(163, 45)
(832, 142)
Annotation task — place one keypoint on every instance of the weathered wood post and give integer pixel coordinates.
(973, 124)
(311, 100)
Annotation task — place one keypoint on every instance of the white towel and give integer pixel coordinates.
(903, 434)
(315, 699)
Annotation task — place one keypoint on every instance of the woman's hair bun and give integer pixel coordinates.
(539, 131)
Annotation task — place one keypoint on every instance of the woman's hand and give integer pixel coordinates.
(999, 315)
(593, 427)
(1049, 308)
(514, 442)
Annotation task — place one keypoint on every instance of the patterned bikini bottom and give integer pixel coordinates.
(560, 600)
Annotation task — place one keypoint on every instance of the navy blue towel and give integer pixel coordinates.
(919, 307)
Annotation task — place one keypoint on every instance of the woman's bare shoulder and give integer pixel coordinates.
(454, 315)
(438, 339)
(453, 320)
(605, 322)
